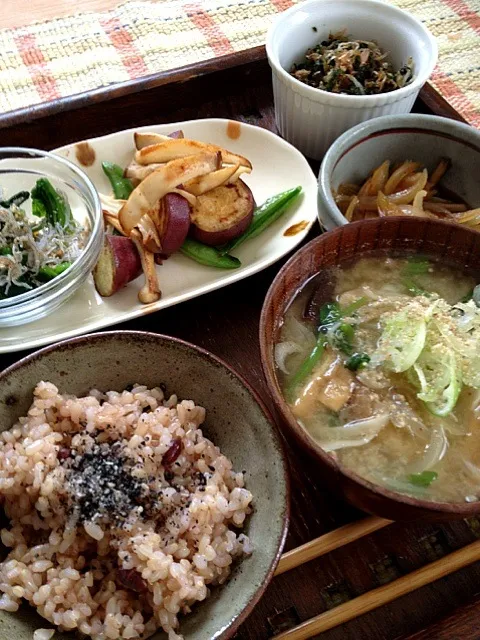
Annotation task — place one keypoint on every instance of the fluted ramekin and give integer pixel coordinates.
(311, 119)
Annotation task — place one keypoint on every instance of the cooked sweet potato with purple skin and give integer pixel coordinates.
(176, 134)
(222, 214)
(172, 222)
(118, 264)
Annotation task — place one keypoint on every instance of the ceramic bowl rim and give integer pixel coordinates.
(234, 624)
(266, 351)
(319, 95)
(385, 125)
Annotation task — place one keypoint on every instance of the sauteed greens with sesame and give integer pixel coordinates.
(341, 64)
(36, 247)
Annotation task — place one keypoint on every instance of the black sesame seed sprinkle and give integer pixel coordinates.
(101, 485)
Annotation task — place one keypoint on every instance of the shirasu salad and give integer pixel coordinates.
(37, 248)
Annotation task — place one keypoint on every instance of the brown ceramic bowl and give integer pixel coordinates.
(237, 422)
(448, 242)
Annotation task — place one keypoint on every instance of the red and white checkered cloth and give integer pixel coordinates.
(65, 56)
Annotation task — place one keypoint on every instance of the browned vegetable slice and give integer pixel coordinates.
(112, 220)
(146, 139)
(404, 170)
(138, 172)
(438, 173)
(170, 149)
(202, 184)
(238, 173)
(377, 180)
(119, 263)
(222, 214)
(149, 233)
(145, 198)
(351, 208)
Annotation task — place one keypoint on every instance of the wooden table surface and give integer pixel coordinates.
(226, 322)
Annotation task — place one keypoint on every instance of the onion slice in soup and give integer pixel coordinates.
(435, 451)
(282, 351)
(356, 433)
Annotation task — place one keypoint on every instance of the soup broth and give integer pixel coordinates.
(378, 361)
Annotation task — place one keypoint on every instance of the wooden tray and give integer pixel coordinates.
(398, 556)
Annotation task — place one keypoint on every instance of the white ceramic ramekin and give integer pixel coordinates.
(311, 119)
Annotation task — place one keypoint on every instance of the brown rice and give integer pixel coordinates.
(121, 512)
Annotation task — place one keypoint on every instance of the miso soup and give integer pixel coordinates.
(379, 361)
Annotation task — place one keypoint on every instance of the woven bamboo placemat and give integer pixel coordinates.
(65, 56)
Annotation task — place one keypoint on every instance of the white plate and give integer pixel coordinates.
(277, 166)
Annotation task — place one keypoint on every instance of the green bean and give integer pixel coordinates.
(122, 187)
(208, 256)
(265, 215)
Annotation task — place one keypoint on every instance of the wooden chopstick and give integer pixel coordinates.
(384, 594)
(328, 542)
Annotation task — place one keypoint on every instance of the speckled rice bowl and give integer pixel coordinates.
(121, 512)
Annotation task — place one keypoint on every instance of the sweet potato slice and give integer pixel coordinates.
(222, 214)
(170, 149)
(172, 222)
(119, 263)
(145, 198)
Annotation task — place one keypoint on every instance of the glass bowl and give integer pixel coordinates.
(20, 168)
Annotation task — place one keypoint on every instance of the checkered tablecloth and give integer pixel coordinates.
(65, 56)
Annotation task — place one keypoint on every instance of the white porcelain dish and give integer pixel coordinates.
(397, 138)
(311, 119)
(277, 166)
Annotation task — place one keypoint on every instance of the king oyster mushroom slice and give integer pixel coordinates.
(180, 148)
(149, 234)
(234, 177)
(112, 219)
(138, 172)
(145, 198)
(202, 184)
(111, 204)
(145, 139)
(150, 292)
